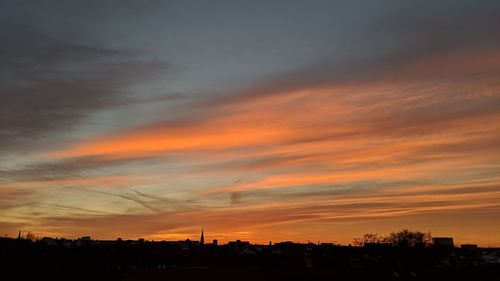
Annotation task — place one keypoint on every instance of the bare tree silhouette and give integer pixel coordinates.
(402, 238)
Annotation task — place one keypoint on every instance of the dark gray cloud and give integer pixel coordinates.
(393, 36)
(72, 168)
(47, 85)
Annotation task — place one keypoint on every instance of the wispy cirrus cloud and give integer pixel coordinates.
(399, 105)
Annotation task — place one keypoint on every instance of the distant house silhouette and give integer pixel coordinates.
(238, 244)
(443, 242)
(48, 241)
(469, 246)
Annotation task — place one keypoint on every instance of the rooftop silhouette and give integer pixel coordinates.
(374, 256)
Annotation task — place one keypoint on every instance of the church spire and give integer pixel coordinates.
(202, 238)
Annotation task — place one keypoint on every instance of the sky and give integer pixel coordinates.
(256, 120)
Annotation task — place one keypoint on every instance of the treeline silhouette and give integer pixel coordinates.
(402, 238)
(402, 255)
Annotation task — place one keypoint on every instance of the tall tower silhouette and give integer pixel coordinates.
(202, 238)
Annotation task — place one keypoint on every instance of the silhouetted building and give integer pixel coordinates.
(469, 246)
(202, 238)
(238, 243)
(48, 241)
(443, 242)
(215, 242)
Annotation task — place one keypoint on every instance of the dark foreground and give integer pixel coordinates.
(139, 260)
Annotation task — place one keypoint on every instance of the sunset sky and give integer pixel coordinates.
(256, 120)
